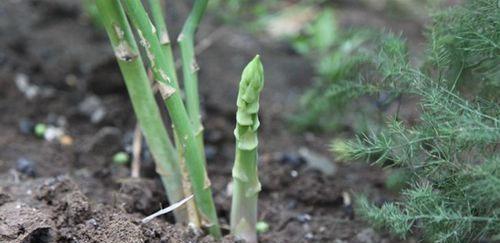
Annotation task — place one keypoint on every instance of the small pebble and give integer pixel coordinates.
(66, 140)
(294, 173)
(317, 161)
(262, 227)
(93, 108)
(92, 222)
(292, 159)
(23, 84)
(121, 158)
(309, 236)
(26, 167)
(53, 133)
(304, 217)
(26, 126)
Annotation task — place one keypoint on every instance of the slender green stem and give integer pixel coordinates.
(141, 95)
(190, 67)
(163, 36)
(182, 125)
(246, 185)
(192, 211)
(90, 8)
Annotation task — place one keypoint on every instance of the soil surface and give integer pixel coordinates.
(56, 68)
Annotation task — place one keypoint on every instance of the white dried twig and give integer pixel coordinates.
(166, 210)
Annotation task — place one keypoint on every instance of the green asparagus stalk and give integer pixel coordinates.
(246, 185)
(162, 33)
(190, 67)
(90, 8)
(143, 102)
(182, 125)
(163, 36)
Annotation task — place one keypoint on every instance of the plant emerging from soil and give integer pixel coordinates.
(452, 153)
(138, 86)
(183, 167)
(246, 185)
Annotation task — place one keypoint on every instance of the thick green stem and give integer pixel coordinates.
(163, 37)
(190, 67)
(182, 125)
(245, 195)
(246, 185)
(141, 95)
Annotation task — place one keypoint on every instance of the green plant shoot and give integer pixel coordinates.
(140, 92)
(190, 67)
(246, 185)
(195, 160)
(164, 38)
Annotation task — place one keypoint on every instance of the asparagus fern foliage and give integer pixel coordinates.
(453, 150)
(338, 57)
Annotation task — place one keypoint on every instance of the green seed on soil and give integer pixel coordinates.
(40, 129)
(262, 227)
(121, 158)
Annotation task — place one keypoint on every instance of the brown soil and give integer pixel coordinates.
(76, 194)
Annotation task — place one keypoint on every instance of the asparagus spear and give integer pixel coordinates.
(143, 102)
(246, 185)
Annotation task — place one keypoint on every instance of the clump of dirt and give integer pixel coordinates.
(57, 211)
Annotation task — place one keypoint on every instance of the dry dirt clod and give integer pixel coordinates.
(304, 217)
(4, 198)
(140, 195)
(21, 223)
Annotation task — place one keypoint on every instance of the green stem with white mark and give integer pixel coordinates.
(163, 37)
(190, 67)
(246, 185)
(182, 125)
(141, 95)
